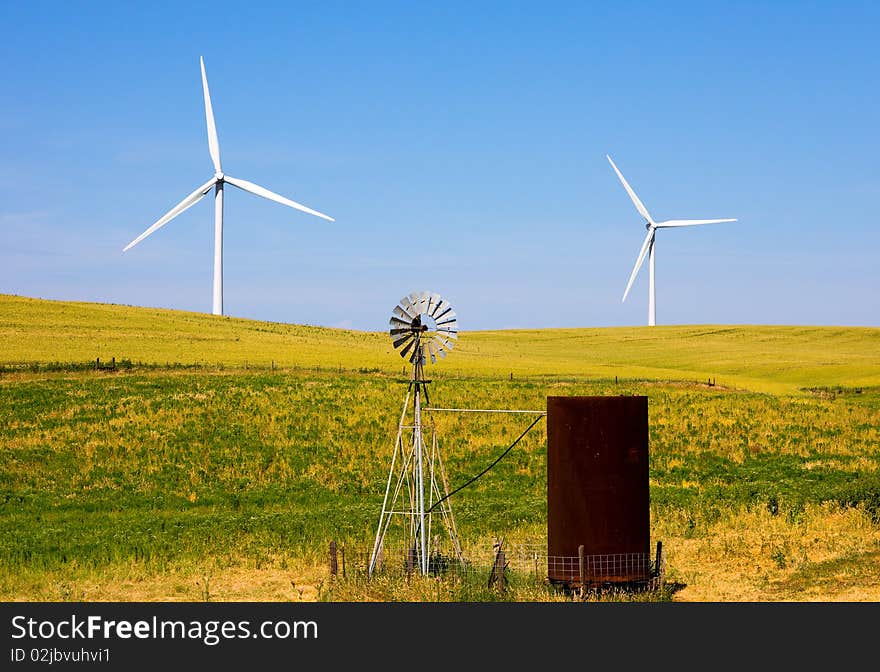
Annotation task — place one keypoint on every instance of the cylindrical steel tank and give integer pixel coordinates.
(597, 490)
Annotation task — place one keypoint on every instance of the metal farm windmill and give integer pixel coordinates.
(423, 327)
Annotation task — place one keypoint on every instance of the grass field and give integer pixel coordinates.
(222, 456)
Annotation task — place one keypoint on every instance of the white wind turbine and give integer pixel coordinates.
(216, 183)
(648, 245)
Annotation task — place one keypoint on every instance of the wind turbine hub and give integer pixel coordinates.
(219, 175)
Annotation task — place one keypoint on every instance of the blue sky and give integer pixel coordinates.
(460, 147)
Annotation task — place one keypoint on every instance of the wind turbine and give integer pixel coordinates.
(216, 183)
(648, 245)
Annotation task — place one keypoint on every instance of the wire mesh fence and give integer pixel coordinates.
(502, 564)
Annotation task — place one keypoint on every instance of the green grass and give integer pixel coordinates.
(152, 482)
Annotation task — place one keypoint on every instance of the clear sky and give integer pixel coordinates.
(460, 147)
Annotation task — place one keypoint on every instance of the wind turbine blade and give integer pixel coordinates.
(690, 222)
(272, 196)
(635, 199)
(642, 254)
(213, 142)
(185, 204)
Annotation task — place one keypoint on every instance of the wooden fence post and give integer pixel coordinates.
(496, 576)
(582, 570)
(410, 562)
(343, 561)
(500, 564)
(658, 565)
(334, 567)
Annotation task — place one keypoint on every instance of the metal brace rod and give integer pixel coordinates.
(484, 410)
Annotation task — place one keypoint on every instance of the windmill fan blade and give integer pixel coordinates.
(272, 196)
(416, 300)
(184, 205)
(451, 318)
(408, 346)
(642, 254)
(438, 303)
(426, 301)
(432, 352)
(435, 303)
(409, 307)
(445, 312)
(429, 306)
(396, 322)
(643, 211)
(690, 222)
(449, 345)
(402, 314)
(213, 142)
(397, 332)
(401, 341)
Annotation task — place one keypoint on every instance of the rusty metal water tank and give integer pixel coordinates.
(597, 489)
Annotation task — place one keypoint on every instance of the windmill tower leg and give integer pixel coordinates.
(652, 298)
(218, 249)
(418, 449)
(385, 515)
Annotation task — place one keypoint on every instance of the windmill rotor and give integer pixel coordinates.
(423, 326)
